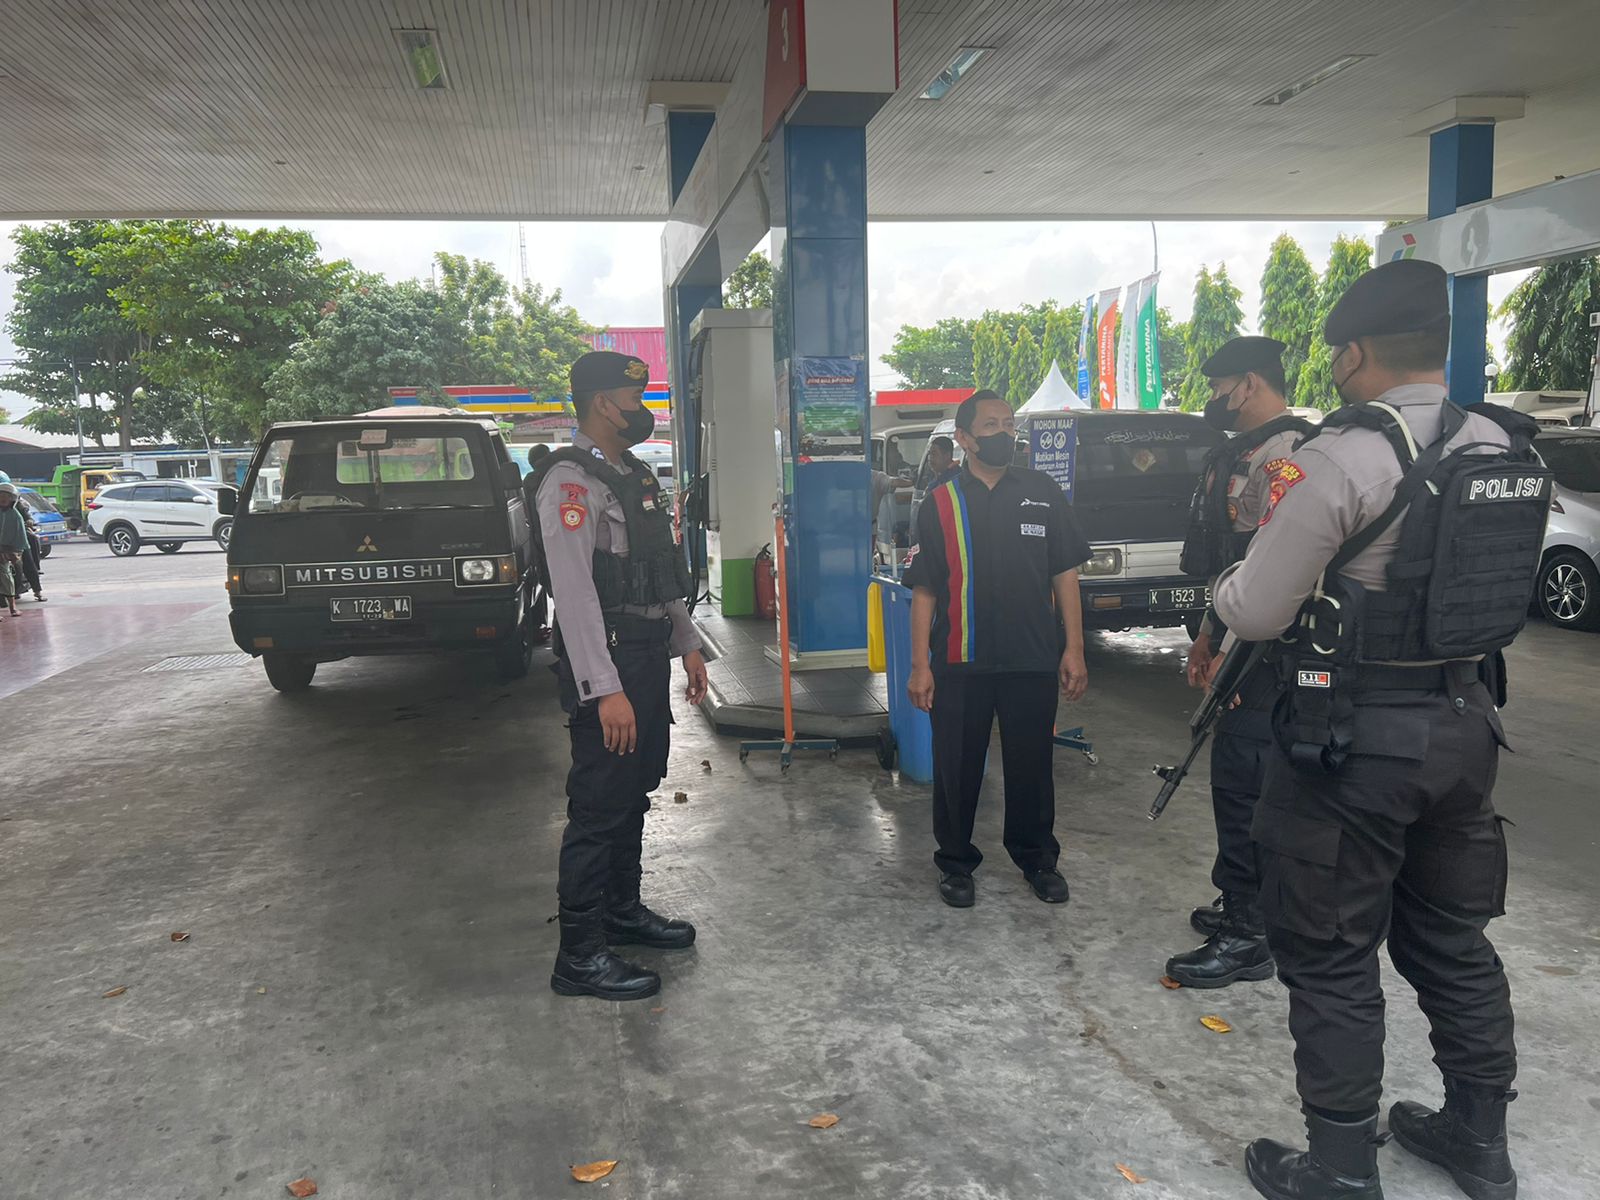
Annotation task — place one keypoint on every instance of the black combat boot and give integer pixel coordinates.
(1206, 921)
(1237, 950)
(1467, 1137)
(1342, 1163)
(629, 923)
(585, 965)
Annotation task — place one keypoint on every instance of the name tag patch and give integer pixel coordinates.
(1504, 487)
(1316, 679)
(1032, 530)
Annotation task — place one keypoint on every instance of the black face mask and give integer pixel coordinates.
(1219, 416)
(996, 449)
(637, 425)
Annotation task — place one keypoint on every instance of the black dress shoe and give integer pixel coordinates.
(636, 925)
(1048, 885)
(957, 890)
(585, 965)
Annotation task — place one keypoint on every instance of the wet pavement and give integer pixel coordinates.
(366, 875)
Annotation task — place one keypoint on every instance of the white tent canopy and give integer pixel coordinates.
(1054, 394)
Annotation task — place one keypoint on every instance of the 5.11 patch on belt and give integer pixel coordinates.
(1316, 679)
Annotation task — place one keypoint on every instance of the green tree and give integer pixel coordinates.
(219, 307)
(1026, 369)
(5, 415)
(983, 359)
(1000, 356)
(1550, 346)
(1349, 259)
(1061, 344)
(375, 336)
(750, 285)
(939, 356)
(1215, 320)
(1289, 304)
(63, 313)
(1170, 336)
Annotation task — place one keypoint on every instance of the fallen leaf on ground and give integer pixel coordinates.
(1167, 981)
(1216, 1024)
(706, 763)
(823, 1121)
(261, 991)
(180, 937)
(662, 1009)
(1130, 1174)
(590, 1172)
(303, 1188)
(680, 797)
(116, 991)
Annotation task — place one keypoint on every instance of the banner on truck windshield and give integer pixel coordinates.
(1107, 307)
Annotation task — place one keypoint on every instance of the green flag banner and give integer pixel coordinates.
(1148, 345)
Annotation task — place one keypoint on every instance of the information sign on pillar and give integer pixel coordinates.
(786, 60)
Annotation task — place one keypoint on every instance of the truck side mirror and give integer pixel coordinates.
(227, 501)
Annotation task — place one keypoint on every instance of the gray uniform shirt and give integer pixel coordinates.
(579, 514)
(1250, 487)
(1331, 488)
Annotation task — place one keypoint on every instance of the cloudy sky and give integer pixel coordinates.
(918, 272)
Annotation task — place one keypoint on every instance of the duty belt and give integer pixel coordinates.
(1399, 677)
(631, 629)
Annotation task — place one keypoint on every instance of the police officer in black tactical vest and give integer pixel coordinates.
(1397, 563)
(1236, 485)
(619, 582)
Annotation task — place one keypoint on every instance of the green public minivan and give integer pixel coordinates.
(396, 532)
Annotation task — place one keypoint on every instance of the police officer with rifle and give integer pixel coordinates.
(619, 581)
(1396, 562)
(1237, 483)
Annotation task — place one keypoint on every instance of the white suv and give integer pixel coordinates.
(167, 512)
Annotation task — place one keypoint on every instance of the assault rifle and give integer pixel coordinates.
(1236, 664)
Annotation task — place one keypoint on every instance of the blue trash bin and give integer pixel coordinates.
(908, 725)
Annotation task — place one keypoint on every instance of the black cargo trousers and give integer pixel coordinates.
(1239, 752)
(608, 794)
(1402, 842)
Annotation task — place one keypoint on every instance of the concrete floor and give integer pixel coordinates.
(366, 876)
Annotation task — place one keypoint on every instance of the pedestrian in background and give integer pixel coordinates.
(996, 545)
(13, 545)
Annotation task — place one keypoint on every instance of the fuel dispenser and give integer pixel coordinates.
(733, 351)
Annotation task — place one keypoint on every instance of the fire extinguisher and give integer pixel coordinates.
(766, 584)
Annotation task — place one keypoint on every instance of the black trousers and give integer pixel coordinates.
(964, 712)
(1403, 843)
(1239, 751)
(608, 794)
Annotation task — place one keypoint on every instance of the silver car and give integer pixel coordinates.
(1568, 592)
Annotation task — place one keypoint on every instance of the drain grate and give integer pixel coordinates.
(198, 662)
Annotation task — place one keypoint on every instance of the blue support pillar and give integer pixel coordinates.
(819, 253)
(686, 136)
(1460, 172)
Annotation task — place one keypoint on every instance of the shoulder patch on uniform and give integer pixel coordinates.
(1284, 477)
(573, 492)
(573, 515)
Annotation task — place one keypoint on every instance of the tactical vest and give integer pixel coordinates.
(654, 570)
(1211, 545)
(1459, 585)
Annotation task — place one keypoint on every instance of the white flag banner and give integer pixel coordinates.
(1127, 353)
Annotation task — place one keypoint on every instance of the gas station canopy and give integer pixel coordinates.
(469, 109)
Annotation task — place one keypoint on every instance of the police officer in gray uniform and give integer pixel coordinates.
(1236, 484)
(619, 581)
(1396, 557)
